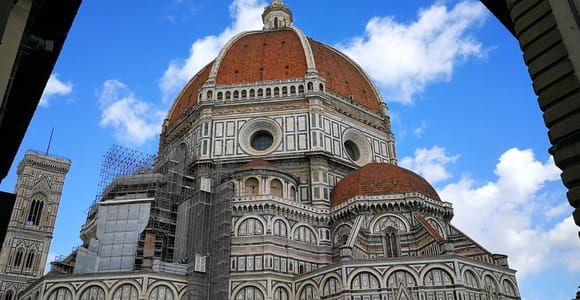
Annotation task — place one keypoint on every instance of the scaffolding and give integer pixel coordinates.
(208, 243)
(120, 161)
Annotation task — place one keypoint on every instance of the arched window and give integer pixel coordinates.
(228, 95)
(126, 292)
(276, 23)
(236, 94)
(470, 280)
(391, 247)
(280, 294)
(509, 289)
(29, 259)
(244, 94)
(35, 212)
(276, 188)
(280, 228)
(292, 193)
(93, 293)
(365, 281)
(308, 292)
(310, 86)
(268, 92)
(401, 278)
(284, 91)
(252, 186)
(9, 295)
(490, 286)
(250, 293)
(18, 258)
(321, 87)
(161, 292)
(252, 93)
(209, 95)
(331, 287)
(250, 226)
(260, 92)
(300, 89)
(276, 91)
(438, 277)
(472, 286)
(305, 234)
(292, 90)
(220, 95)
(61, 293)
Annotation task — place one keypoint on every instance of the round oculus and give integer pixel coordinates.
(261, 140)
(352, 150)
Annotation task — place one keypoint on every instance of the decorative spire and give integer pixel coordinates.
(276, 16)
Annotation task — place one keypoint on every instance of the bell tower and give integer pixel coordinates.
(25, 249)
(276, 16)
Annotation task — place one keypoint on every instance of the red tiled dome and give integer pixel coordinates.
(380, 179)
(280, 55)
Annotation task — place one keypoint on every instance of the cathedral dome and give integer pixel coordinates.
(381, 179)
(279, 53)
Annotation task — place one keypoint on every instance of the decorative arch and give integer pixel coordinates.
(366, 279)
(437, 277)
(252, 186)
(490, 283)
(379, 224)
(250, 225)
(93, 291)
(161, 291)
(280, 227)
(30, 258)
(304, 233)
(249, 292)
(125, 291)
(281, 292)
(60, 292)
(308, 291)
(9, 295)
(470, 280)
(331, 285)
(18, 257)
(437, 225)
(401, 277)
(509, 288)
(276, 187)
(35, 210)
(340, 231)
(427, 269)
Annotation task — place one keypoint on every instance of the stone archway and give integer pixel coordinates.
(548, 32)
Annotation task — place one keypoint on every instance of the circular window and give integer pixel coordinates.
(352, 150)
(260, 136)
(261, 140)
(356, 147)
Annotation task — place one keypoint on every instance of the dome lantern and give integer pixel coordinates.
(276, 16)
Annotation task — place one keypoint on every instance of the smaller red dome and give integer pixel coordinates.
(381, 179)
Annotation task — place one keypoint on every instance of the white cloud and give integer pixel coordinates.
(133, 120)
(246, 15)
(430, 163)
(54, 87)
(419, 131)
(405, 57)
(557, 211)
(503, 214)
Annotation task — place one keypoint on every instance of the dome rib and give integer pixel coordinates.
(264, 56)
(380, 179)
(189, 95)
(345, 77)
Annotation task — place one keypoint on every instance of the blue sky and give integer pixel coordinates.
(460, 98)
